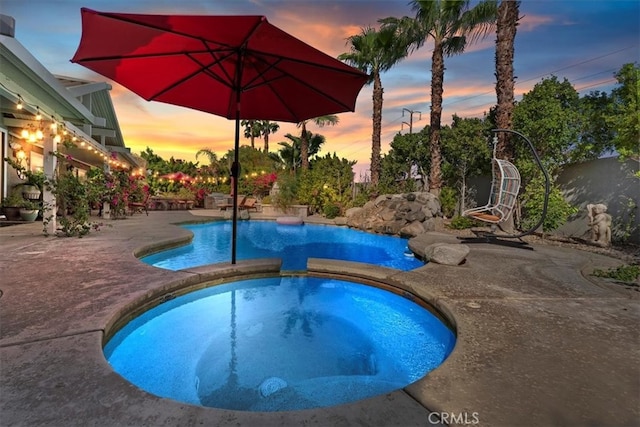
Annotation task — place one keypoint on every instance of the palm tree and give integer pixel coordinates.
(214, 163)
(251, 130)
(507, 21)
(374, 52)
(448, 23)
(321, 121)
(290, 151)
(266, 128)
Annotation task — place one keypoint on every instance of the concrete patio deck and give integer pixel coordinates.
(540, 343)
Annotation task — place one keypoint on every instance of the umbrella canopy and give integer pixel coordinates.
(238, 67)
(177, 176)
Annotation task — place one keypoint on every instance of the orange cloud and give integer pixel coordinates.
(532, 22)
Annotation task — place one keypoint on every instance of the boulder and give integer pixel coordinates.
(432, 224)
(352, 211)
(398, 214)
(380, 199)
(446, 253)
(411, 230)
(387, 214)
(340, 220)
(434, 207)
(428, 213)
(417, 215)
(369, 205)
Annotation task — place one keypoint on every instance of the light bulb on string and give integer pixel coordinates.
(20, 104)
(38, 114)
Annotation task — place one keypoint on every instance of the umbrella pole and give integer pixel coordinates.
(235, 171)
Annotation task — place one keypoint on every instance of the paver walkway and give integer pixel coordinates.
(539, 344)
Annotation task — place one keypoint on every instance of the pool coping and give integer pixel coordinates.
(221, 273)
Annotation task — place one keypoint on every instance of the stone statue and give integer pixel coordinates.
(600, 224)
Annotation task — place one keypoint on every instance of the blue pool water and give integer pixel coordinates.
(277, 344)
(293, 244)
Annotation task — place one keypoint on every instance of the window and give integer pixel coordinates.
(36, 161)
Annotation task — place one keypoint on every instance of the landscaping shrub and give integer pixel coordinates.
(331, 211)
(558, 209)
(448, 201)
(461, 223)
(624, 273)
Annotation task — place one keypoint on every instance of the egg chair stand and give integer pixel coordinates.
(505, 186)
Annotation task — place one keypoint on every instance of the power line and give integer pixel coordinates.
(581, 63)
(445, 104)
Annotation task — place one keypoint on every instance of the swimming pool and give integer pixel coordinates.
(279, 344)
(293, 244)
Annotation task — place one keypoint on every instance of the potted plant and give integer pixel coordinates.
(33, 187)
(11, 205)
(29, 210)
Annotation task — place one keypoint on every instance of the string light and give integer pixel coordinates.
(34, 133)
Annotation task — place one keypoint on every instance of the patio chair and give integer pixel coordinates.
(248, 204)
(140, 206)
(505, 185)
(229, 203)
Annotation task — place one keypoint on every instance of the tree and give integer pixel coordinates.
(251, 130)
(214, 164)
(154, 162)
(506, 24)
(266, 128)
(596, 136)
(290, 151)
(252, 160)
(304, 135)
(449, 23)
(550, 117)
(326, 185)
(624, 118)
(466, 152)
(406, 150)
(375, 52)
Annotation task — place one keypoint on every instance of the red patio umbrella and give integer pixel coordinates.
(177, 176)
(238, 67)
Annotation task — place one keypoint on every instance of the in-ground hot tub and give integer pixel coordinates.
(279, 344)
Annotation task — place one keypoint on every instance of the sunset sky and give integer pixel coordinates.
(584, 41)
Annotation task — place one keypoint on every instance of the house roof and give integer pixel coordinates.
(84, 106)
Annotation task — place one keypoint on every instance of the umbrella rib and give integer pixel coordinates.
(140, 56)
(204, 68)
(285, 73)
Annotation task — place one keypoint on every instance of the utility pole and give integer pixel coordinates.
(410, 124)
(411, 113)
